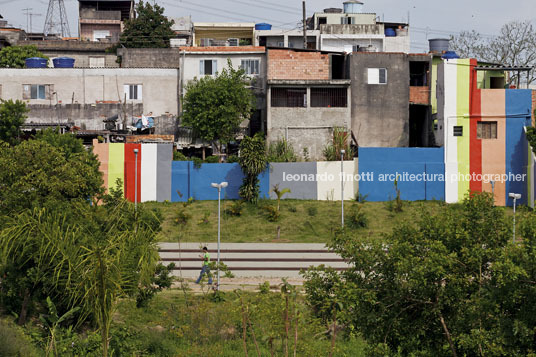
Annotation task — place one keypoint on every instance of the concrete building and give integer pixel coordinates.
(391, 99)
(218, 34)
(183, 27)
(86, 54)
(87, 96)
(208, 61)
(308, 94)
(10, 35)
(103, 20)
(287, 38)
(484, 132)
(148, 57)
(351, 30)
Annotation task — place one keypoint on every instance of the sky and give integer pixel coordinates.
(427, 18)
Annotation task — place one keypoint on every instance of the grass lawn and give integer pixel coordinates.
(301, 221)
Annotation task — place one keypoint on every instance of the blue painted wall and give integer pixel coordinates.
(518, 114)
(180, 181)
(196, 182)
(382, 165)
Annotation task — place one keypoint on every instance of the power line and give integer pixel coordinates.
(261, 6)
(229, 12)
(274, 4)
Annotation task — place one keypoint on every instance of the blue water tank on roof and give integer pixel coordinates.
(450, 55)
(63, 62)
(390, 32)
(36, 62)
(263, 26)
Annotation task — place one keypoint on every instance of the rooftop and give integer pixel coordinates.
(224, 49)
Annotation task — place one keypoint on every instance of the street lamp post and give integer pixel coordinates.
(342, 187)
(219, 186)
(136, 180)
(515, 196)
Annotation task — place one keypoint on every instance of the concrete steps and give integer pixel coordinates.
(274, 260)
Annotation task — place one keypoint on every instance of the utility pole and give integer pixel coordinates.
(31, 15)
(27, 13)
(304, 26)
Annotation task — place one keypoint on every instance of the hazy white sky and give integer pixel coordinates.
(439, 17)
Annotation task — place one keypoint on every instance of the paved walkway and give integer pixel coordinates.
(251, 262)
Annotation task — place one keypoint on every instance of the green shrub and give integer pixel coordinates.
(232, 159)
(212, 160)
(273, 213)
(281, 151)
(357, 218)
(312, 211)
(235, 208)
(292, 209)
(264, 288)
(179, 156)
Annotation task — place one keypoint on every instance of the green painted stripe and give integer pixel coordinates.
(462, 112)
(116, 164)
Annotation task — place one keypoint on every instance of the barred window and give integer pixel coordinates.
(486, 130)
(329, 97)
(289, 97)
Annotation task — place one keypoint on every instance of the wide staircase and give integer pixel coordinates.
(247, 260)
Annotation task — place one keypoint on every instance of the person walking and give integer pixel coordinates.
(205, 268)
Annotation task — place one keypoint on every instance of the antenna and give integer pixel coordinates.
(56, 20)
(27, 13)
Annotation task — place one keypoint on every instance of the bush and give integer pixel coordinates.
(179, 156)
(232, 159)
(273, 213)
(357, 218)
(212, 160)
(281, 151)
(312, 211)
(292, 209)
(235, 208)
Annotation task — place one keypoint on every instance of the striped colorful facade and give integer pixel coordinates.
(469, 160)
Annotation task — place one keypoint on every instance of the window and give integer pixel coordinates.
(377, 76)
(133, 91)
(289, 97)
(100, 34)
(250, 66)
(347, 20)
(329, 97)
(96, 62)
(486, 130)
(37, 91)
(208, 67)
(458, 131)
(322, 20)
(233, 42)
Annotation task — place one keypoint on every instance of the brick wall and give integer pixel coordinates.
(419, 95)
(289, 64)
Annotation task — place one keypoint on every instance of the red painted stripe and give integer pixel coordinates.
(475, 115)
(130, 169)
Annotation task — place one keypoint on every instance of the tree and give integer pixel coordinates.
(515, 46)
(216, 106)
(150, 29)
(15, 56)
(12, 116)
(86, 256)
(253, 162)
(36, 174)
(449, 284)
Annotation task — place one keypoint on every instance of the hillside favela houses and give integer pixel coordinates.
(431, 113)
